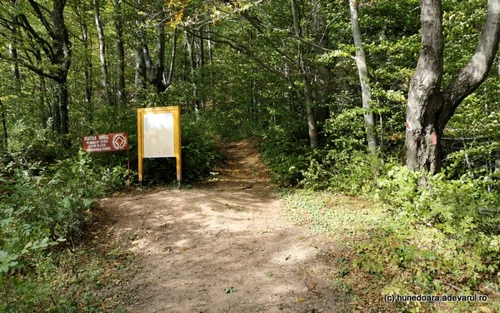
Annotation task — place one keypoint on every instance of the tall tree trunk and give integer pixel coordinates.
(13, 51)
(210, 46)
(173, 54)
(429, 106)
(305, 72)
(192, 66)
(201, 61)
(87, 73)
(120, 53)
(155, 73)
(201, 56)
(45, 108)
(363, 78)
(15, 68)
(323, 77)
(140, 64)
(4, 127)
(62, 57)
(63, 96)
(102, 52)
(140, 69)
(210, 60)
(56, 112)
(14, 56)
(159, 68)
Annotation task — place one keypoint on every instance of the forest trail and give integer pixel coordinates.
(224, 246)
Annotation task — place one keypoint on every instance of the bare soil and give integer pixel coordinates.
(224, 246)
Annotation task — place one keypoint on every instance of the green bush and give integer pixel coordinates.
(436, 235)
(436, 238)
(350, 172)
(43, 205)
(285, 154)
(199, 154)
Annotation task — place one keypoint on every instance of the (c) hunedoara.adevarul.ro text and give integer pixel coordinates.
(435, 298)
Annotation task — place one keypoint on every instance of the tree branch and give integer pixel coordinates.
(42, 18)
(241, 48)
(43, 43)
(476, 71)
(31, 67)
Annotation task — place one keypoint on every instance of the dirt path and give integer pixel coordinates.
(225, 246)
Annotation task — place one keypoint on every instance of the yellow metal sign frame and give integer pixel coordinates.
(175, 110)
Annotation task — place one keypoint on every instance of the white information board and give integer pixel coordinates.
(159, 135)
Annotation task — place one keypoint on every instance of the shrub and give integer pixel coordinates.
(436, 235)
(285, 154)
(44, 205)
(352, 172)
(199, 153)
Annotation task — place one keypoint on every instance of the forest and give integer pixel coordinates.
(394, 103)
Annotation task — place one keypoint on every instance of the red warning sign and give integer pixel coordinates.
(105, 142)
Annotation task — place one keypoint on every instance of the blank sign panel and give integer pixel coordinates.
(159, 135)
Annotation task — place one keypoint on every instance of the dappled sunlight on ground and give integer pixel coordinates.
(225, 246)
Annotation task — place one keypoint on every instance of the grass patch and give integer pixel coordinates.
(342, 216)
(379, 252)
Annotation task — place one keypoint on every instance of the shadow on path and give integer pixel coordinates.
(225, 246)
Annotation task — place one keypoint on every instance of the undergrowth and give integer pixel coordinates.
(402, 240)
(43, 209)
(401, 233)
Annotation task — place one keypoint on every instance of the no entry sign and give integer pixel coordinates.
(105, 142)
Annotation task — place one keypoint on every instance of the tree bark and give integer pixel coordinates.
(13, 53)
(62, 55)
(56, 111)
(170, 74)
(87, 73)
(4, 127)
(14, 56)
(120, 53)
(140, 65)
(201, 62)
(63, 97)
(192, 66)
(323, 77)
(210, 47)
(201, 43)
(45, 109)
(102, 52)
(210, 61)
(155, 73)
(429, 106)
(304, 69)
(363, 78)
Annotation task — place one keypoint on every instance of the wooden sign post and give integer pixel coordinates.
(159, 136)
(107, 143)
